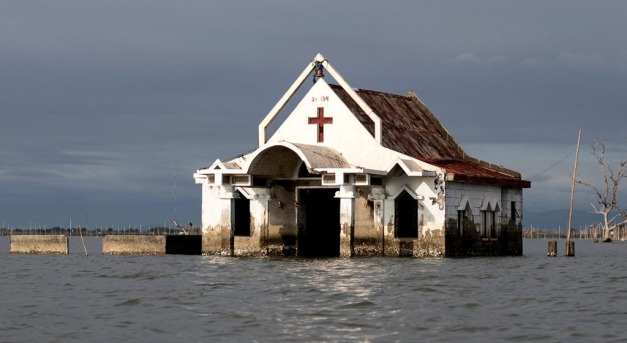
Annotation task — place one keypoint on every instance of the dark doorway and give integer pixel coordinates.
(319, 234)
(241, 215)
(406, 213)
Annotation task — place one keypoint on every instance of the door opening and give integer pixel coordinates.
(319, 234)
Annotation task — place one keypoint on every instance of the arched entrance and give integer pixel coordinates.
(406, 214)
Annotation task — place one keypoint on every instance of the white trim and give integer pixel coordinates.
(360, 102)
(285, 144)
(243, 192)
(489, 203)
(276, 110)
(278, 107)
(411, 192)
(248, 182)
(220, 171)
(399, 162)
(345, 192)
(255, 193)
(218, 167)
(463, 203)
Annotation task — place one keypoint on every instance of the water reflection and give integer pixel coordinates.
(205, 298)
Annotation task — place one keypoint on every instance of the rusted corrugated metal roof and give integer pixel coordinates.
(409, 127)
(469, 171)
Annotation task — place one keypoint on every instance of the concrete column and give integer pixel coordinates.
(377, 195)
(347, 220)
(217, 233)
(262, 197)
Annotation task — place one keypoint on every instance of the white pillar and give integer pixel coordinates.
(347, 219)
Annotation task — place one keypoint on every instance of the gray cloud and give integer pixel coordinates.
(105, 106)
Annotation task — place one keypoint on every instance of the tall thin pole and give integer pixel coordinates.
(569, 251)
(175, 194)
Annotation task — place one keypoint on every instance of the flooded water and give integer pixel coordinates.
(533, 298)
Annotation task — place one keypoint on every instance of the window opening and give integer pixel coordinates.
(463, 218)
(488, 227)
(514, 213)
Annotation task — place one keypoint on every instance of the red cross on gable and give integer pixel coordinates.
(320, 120)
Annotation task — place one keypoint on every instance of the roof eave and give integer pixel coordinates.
(484, 180)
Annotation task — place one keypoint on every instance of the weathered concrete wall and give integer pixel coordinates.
(431, 214)
(465, 239)
(368, 235)
(367, 219)
(253, 245)
(133, 245)
(429, 244)
(217, 237)
(39, 244)
(282, 231)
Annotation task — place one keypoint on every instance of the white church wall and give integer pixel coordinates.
(432, 216)
(346, 134)
(216, 218)
(211, 211)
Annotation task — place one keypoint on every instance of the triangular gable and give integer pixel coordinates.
(409, 191)
(321, 118)
(218, 165)
(319, 59)
(409, 168)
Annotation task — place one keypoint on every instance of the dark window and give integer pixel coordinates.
(513, 215)
(406, 214)
(460, 222)
(463, 217)
(241, 216)
(488, 228)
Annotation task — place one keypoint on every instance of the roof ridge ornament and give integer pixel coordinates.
(319, 68)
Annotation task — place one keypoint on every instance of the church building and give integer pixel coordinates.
(353, 172)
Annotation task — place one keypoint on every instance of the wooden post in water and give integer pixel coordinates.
(570, 245)
(552, 252)
(570, 248)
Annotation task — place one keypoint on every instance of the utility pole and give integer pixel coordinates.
(570, 245)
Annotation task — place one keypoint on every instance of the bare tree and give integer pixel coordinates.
(607, 198)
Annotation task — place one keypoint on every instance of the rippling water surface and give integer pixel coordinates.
(96, 298)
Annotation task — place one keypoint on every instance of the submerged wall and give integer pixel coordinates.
(39, 244)
(134, 245)
(367, 219)
(468, 237)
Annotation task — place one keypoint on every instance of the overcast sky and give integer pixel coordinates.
(107, 108)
